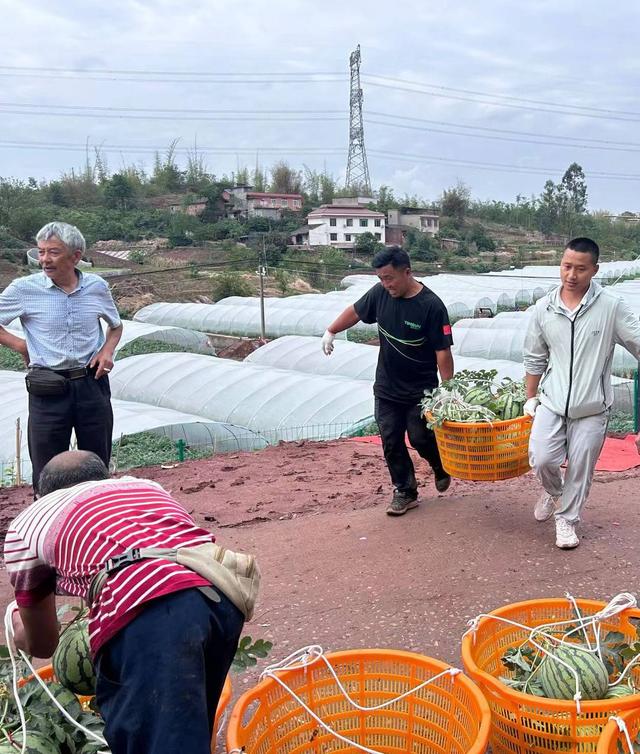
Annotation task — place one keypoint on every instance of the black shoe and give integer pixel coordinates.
(401, 503)
(442, 480)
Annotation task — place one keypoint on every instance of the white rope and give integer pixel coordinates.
(307, 656)
(9, 634)
(618, 604)
(622, 727)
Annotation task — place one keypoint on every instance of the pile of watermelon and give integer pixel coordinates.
(48, 731)
(565, 667)
(474, 396)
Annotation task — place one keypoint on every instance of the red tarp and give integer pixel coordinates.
(617, 455)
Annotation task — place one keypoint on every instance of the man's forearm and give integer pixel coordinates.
(531, 382)
(344, 321)
(12, 341)
(445, 364)
(112, 338)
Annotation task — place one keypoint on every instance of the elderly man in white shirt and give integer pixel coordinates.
(68, 356)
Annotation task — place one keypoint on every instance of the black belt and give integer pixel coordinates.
(74, 374)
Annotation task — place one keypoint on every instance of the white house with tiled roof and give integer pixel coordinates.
(339, 225)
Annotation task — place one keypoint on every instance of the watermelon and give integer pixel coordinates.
(478, 396)
(623, 689)
(36, 744)
(72, 663)
(61, 694)
(559, 682)
(508, 407)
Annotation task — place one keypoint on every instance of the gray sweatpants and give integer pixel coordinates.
(555, 439)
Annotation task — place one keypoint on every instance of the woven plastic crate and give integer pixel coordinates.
(449, 715)
(526, 724)
(613, 740)
(485, 451)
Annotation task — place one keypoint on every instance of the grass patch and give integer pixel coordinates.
(140, 346)
(11, 360)
(149, 449)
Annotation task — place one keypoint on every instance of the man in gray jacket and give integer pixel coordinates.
(567, 357)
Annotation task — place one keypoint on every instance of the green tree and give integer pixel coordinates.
(119, 192)
(455, 202)
(285, 180)
(420, 246)
(572, 197)
(385, 200)
(230, 284)
(367, 244)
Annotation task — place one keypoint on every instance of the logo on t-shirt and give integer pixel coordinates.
(446, 329)
(412, 325)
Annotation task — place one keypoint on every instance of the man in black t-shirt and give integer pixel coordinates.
(415, 344)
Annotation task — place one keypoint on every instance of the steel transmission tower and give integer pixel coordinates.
(357, 168)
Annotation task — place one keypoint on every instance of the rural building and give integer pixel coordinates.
(339, 225)
(419, 218)
(180, 203)
(248, 203)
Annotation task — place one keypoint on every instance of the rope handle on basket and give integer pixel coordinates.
(9, 635)
(618, 604)
(622, 727)
(307, 656)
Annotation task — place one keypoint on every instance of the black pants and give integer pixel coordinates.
(160, 677)
(85, 407)
(394, 420)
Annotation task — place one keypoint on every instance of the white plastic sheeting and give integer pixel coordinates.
(244, 320)
(353, 360)
(129, 418)
(280, 404)
(177, 336)
(502, 337)
(358, 361)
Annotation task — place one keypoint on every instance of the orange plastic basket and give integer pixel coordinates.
(526, 724)
(450, 715)
(484, 452)
(613, 740)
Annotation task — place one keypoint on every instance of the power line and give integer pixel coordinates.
(502, 96)
(503, 167)
(177, 117)
(504, 104)
(563, 141)
(147, 72)
(192, 111)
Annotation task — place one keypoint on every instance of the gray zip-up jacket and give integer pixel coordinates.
(575, 355)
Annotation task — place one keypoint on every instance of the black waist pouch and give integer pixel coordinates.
(45, 382)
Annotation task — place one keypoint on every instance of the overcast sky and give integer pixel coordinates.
(499, 95)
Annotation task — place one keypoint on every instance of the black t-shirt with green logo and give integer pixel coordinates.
(411, 331)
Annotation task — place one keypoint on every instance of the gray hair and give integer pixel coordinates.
(70, 468)
(68, 234)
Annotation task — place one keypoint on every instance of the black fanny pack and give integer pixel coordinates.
(45, 382)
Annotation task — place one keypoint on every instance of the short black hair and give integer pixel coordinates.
(396, 256)
(71, 468)
(585, 246)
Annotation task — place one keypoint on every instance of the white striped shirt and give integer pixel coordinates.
(60, 541)
(62, 329)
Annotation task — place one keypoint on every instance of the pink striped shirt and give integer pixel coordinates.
(60, 541)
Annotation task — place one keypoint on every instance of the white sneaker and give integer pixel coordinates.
(545, 507)
(566, 537)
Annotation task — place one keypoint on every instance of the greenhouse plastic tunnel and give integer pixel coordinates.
(244, 321)
(129, 418)
(358, 361)
(276, 403)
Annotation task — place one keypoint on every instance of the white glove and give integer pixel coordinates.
(530, 407)
(327, 342)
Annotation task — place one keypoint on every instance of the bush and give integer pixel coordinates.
(230, 284)
(137, 256)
